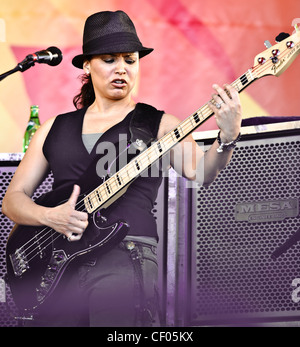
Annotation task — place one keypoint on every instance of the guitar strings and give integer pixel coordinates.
(40, 250)
(34, 241)
(41, 243)
(167, 139)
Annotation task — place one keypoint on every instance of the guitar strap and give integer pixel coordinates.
(143, 130)
(144, 125)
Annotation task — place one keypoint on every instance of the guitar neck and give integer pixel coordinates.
(120, 180)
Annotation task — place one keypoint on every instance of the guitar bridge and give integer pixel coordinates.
(51, 275)
(19, 262)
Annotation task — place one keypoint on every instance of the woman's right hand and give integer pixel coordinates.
(66, 220)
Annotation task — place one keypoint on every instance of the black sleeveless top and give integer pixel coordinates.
(69, 161)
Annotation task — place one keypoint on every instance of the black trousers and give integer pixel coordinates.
(115, 289)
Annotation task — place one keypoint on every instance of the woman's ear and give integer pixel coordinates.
(86, 67)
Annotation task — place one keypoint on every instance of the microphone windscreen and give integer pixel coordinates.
(57, 56)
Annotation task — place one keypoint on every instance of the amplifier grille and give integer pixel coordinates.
(234, 275)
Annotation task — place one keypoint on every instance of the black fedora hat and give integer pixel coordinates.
(109, 32)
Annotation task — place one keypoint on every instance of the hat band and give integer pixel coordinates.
(112, 41)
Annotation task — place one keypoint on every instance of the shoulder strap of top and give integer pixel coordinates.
(60, 127)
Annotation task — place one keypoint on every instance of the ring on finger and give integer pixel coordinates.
(218, 105)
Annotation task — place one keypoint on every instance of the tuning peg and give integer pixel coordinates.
(281, 37)
(267, 43)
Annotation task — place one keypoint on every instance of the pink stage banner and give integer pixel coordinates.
(196, 43)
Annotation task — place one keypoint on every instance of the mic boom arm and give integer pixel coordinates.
(51, 56)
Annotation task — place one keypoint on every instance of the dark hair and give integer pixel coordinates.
(87, 95)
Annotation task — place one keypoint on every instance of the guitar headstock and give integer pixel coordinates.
(276, 59)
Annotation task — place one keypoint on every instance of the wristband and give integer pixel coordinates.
(226, 146)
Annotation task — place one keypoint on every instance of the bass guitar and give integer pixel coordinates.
(37, 257)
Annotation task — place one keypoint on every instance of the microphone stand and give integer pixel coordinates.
(23, 66)
(287, 244)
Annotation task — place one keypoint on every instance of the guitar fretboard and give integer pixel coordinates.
(148, 157)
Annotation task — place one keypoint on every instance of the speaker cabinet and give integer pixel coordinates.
(236, 225)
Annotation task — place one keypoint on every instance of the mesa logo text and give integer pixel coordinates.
(266, 211)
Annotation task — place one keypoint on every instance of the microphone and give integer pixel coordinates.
(51, 56)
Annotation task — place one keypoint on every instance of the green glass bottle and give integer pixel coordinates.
(32, 126)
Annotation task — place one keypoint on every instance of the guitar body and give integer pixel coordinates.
(37, 257)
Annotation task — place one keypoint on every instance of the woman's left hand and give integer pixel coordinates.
(228, 112)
